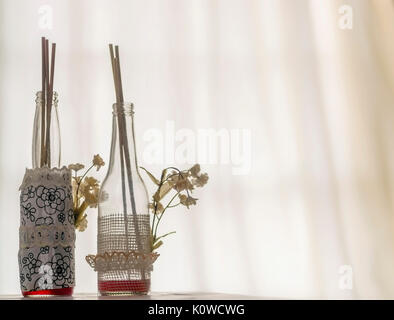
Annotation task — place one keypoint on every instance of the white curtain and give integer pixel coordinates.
(316, 206)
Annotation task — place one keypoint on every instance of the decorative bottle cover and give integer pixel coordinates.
(46, 234)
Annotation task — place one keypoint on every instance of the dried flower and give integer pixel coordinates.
(181, 182)
(92, 198)
(195, 170)
(174, 181)
(98, 162)
(90, 192)
(82, 224)
(91, 182)
(74, 185)
(187, 200)
(201, 180)
(85, 192)
(159, 208)
(76, 166)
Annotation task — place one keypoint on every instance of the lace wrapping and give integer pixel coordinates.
(46, 233)
(118, 250)
(40, 236)
(45, 175)
(115, 261)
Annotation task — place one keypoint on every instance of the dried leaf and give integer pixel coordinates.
(157, 245)
(151, 176)
(164, 189)
(165, 235)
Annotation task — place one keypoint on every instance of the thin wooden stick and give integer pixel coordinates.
(120, 142)
(118, 99)
(127, 157)
(125, 138)
(119, 75)
(42, 138)
(111, 52)
(124, 149)
(124, 132)
(45, 161)
(49, 103)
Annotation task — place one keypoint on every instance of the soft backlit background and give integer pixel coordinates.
(318, 101)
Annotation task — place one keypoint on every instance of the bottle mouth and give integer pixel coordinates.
(126, 108)
(39, 97)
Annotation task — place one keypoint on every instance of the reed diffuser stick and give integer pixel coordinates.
(43, 98)
(48, 73)
(125, 138)
(49, 103)
(46, 100)
(124, 149)
(121, 158)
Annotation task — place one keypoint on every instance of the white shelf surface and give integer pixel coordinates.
(152, 296)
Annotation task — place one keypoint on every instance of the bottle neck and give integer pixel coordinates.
(40, 99)
(46, 146)
(123, 149)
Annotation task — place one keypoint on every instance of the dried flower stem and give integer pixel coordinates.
(180, 181)
(80, 181)
(161, 215)
(155, 226)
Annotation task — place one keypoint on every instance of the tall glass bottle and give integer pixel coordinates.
(47, 233)
(123, 214)
(39, 158)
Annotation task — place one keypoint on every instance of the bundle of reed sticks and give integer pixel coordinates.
(124, 147)
(48, 71)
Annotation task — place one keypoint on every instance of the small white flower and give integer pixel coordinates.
(201, 180)
(187, 200)
(98, 162)
(194, 171)
(76, 166)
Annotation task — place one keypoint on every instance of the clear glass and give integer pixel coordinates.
(39, 138)
(123, 214)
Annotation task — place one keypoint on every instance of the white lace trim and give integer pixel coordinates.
(46, 175)
(122, 261)
(52, 235)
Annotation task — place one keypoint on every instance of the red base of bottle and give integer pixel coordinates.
(50, 292)
(124, 287)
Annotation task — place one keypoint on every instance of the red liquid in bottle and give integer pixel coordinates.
(50, 292)
(124, 287)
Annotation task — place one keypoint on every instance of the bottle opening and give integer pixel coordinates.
(39, 98)
(126, 108)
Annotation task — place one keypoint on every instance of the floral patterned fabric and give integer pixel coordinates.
(47, 234)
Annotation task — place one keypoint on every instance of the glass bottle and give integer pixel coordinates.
(54, 270)
(123, 215)
(39, 136)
